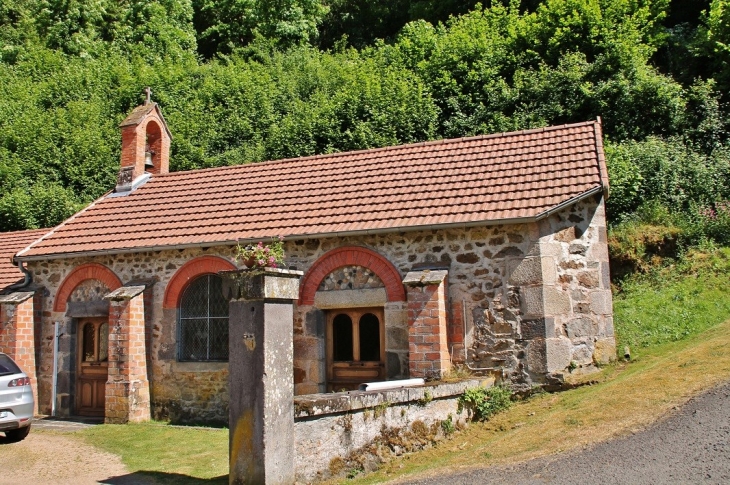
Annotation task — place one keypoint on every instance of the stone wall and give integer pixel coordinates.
(338, 431)
(526, 302)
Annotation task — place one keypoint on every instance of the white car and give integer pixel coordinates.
(16, 400)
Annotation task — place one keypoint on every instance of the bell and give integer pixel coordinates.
(148, 160)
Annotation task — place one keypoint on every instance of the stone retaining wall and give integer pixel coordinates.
(341, 432)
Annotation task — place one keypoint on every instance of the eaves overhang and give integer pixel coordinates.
(365, 232)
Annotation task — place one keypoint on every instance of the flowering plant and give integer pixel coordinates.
(262, 255)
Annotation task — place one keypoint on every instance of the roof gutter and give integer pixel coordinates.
(320, 235)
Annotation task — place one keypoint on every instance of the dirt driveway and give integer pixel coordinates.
(57, 457)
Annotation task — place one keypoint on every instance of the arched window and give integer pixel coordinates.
(203, 325)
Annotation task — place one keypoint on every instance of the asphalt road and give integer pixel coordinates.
(692, 445)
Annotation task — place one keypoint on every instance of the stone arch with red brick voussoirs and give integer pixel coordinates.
(349, 336)
(89, 271)
(188, 272)
(355, 256)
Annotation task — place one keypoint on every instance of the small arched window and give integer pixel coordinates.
(203, 321)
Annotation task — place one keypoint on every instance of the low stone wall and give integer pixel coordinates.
(338, 431)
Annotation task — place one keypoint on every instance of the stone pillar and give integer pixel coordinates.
(127, 388)
(261, 376)
(17, 337)
(427, 323)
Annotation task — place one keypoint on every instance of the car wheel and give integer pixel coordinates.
(17, 434)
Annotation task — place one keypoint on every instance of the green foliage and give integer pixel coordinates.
(447, 425)
(668, 171)
(500, 68)
(151, 29)
(362, 22)
(427, 398)
(484, 402)
(41, 206)
(674, 302)
(713, 40)
(228, 24)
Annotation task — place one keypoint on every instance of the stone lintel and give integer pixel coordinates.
(124, 293)
(16, 298)
(95, 308)
(365, 297)
(425, 277)
(261, 284)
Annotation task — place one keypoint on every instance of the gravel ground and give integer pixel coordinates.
(59, 459)
(691, 445)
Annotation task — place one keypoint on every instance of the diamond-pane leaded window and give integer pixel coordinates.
(204, 321)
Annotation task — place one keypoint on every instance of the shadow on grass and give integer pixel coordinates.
(161, 478)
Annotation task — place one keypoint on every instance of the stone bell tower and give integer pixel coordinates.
(145, 144)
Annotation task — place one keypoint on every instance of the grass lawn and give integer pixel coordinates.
(169, 454)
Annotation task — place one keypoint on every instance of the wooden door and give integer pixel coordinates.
(92, 363)
(355, 348)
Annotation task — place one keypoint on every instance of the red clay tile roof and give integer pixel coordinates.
(11, 243)
(468, 181)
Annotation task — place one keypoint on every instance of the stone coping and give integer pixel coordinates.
(425, 277)
(125, 293)
(17, 297)
(310, 405)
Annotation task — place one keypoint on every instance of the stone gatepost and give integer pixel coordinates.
(428, 354)
(261, 375)
(127, 387)
(17, 337)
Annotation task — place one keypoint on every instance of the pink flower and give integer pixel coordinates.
(261, 262)
(272, 260)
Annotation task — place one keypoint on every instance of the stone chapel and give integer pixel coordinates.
(486, 252)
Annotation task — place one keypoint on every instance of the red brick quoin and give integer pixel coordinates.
(89, 271)
(351, 256)
(188, 272)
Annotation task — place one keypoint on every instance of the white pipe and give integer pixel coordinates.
(55, 369)
(381, 386)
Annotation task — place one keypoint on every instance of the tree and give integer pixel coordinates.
(223, 26)
(714, 41)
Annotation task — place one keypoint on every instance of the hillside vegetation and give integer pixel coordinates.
(242, 81)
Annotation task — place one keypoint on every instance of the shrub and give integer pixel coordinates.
(483, 402)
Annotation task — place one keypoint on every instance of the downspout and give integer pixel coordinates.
(54, 385)
(26, 281)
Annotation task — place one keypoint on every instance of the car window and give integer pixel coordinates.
(7, 366)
